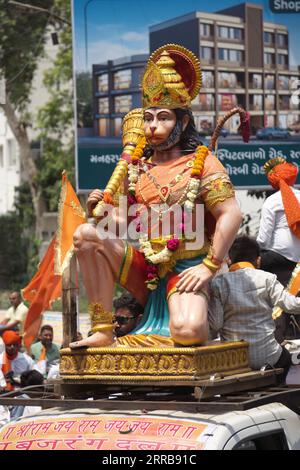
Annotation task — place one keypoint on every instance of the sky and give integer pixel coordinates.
(110, 29)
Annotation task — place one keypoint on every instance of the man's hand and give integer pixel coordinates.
(93, 200)
(194, 279)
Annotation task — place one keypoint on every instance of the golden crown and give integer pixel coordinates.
(172, 78)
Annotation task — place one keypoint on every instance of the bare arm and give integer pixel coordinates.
(228, 220)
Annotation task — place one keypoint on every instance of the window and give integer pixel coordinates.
(230, 55)
(204, 124)
(268, 38)
(283, 82)
(227, 80)
(103, 83)
(206, 102)
(103, 126)
(294, 83)
(272, 441)
(208, 80)
(282, 40)
(12, 152)
(282, 59)
(270, 102)
(256, 103)
(206, 53)
(226, 101)
(224, 32)
(270, 82)
(103, 106)
(256, 81)
(123, 103)
(117, 127)
(284, 103)
(122, 80)
(205, 30)
(1, 157)
(269, 58)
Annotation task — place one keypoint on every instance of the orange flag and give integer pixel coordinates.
(44, 288)
(46, 285)
(70, 215)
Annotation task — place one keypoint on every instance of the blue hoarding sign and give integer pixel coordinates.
(243, 162)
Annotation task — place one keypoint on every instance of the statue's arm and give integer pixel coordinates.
(228, 220)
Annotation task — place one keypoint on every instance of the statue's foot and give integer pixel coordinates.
(98, 339)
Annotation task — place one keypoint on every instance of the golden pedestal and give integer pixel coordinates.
(124, 365)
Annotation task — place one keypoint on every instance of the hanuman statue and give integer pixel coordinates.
(163, 165)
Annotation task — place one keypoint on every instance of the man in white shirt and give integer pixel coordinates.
(279, 231)
(241, 305)
(15, 316)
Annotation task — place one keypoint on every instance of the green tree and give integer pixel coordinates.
(56, 118)
(23, 36)
(84, 97)
(22, 41)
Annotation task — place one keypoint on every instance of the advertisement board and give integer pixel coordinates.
(113, 39)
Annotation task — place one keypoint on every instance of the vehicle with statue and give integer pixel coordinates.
(165, 386)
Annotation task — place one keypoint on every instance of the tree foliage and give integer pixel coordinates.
(84, 99)
(56, 117)
(22, 43)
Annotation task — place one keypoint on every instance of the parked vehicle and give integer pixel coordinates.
(264, 418)
(271, 133)
(224, 132)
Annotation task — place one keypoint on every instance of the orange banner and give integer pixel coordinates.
(102, 432)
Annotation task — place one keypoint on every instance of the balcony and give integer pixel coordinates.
(210, 61)
(282, 67)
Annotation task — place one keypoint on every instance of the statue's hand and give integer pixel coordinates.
(93, 199)
(194, 279)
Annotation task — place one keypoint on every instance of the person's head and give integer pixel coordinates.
(245, 248)
(171, 81)
(31, 377)
(164, 128)
(278, 170)
(46, 335)
(128, 313)
(15, 299)
(12, 341)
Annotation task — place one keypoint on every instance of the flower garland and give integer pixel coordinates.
(164, 256)
(153, 259)
(194, 184)
(133, 170)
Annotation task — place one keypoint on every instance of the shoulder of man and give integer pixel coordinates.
(35, 347)
(22, 307)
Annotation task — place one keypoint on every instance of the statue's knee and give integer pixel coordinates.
(189, 335)
(83, 236)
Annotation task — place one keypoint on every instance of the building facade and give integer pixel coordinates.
(245, 61)
(116, 90)
(10, 171)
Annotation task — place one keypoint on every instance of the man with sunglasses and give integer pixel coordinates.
(128, 314)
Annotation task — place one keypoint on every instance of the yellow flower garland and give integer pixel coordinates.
(200, 156)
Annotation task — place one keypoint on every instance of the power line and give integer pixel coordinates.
(39, 10)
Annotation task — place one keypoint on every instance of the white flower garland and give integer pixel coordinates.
(155, 258)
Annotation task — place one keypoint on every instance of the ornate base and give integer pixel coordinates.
(127, 365)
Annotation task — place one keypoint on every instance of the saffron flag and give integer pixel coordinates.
(46, 285)
(70, 216)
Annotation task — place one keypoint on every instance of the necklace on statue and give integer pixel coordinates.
(164, 191)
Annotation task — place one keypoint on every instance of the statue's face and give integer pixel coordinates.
(158, 125)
